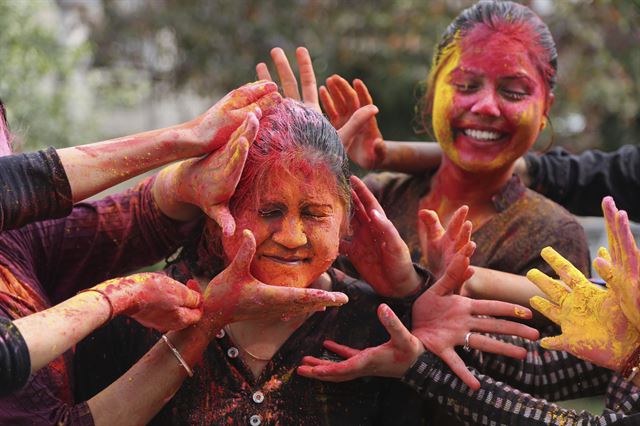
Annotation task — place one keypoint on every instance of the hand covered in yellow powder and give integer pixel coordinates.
(621, 268)
(593, 324)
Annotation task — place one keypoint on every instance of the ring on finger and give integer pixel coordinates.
(466, 346)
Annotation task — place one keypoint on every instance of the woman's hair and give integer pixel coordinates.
(507, 17)
(291, 135)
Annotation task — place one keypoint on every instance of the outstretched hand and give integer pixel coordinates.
(439, 245)
(235, 295)
(594, 326)
(376, 249)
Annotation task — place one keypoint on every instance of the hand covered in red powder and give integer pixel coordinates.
(376, 249)
(235, 295)
(154, 300)
(621, 268)
(391, 359)
(288, 79)
(212, 129)
(594, 326)
(210, 182)
(351, 111)
(439, 245)
(442, 319)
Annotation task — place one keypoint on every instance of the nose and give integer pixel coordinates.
(291, 233)
(487, 104)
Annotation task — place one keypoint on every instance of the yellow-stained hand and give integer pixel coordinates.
(593, 324)
(620, 268)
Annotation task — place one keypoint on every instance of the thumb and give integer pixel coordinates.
(222, 216)
(432, 224)
(555, 343)
(356, 123)
(245, 253)
(398, 333)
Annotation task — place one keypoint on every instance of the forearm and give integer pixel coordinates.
(411, 157)
(95, 167)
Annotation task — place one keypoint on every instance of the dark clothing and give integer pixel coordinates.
(497, 403)
(510, 241)
(34, 186)
(15, 363)
(47, 262)
(579, 182)
(223, 389)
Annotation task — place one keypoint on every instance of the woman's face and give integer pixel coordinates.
(489, 101)
(296, 222)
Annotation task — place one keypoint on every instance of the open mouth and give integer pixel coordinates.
(483, 135)
(289, 260)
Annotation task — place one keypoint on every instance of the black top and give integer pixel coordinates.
(15, 364)
(579, 182)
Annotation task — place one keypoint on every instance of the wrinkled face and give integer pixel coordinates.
(489, 101)
(296, 222)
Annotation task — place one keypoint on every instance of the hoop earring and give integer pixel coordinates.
(552, 139)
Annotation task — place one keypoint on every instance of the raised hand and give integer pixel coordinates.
(235, 295)
(391, 359)
(443, 320)
(154, 300)
(376, 249)
(288, 79)
(438, 245)
(212, 129)
(593, 324)
(621, 268)
(358, 127)
(208, 183)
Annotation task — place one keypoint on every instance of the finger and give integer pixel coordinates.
(555, 343)
(387, 234)
(364, 97)
(186, 317)
(451, 358)
(568, 273)
(329, 107)
(555, 291)
(369, 200)
(349, 95)
(628, 249)
(360, 212)
(265, 104)
(488, 344)
(313, 361)
(336, 372)
(339, 102)
(464, 236)
(399, 335)
(307, 78)
(263, 72)
(546, 308)
(244, 256)
(285, 73)
(455, 223)
(610, 212)
(288, 299)
(454, 275)
(191, 297)
(499, 309)
(500, 326)
(222, 216)
(432, 224)
(340, 350)
(252, 92)
(356, 124)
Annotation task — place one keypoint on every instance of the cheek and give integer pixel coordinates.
(326, 242)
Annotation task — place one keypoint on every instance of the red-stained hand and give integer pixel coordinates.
(376, 249)
(441, 319)
(438, 245)
(621, 268)
(209, 182)
(154, 300)
(235, 295)
(212, 129)
(391, 359)
(351, 110)
(288, 79)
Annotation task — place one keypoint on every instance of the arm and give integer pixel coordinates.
(579, 182)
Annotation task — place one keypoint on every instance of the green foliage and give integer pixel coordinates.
(35, 70)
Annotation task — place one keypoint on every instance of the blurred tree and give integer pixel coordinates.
(36, 70)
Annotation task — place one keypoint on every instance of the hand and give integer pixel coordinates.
(620, 269)
(288, 79)
(211, 130)
(593, 324)
(209, 182)
(154, 300)
(439, 245)
(351, 111)
(235, 295)
(441, 319)
(376, 249)
(391, 359)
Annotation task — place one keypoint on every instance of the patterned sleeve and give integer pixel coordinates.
(496, 403)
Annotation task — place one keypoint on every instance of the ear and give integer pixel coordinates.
(551, 98)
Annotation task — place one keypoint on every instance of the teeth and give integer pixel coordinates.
(482, 135)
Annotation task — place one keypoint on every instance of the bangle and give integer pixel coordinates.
(106, 297)
(178, 356)
(632, 366)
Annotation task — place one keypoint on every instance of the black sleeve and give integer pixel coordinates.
(15, 363)
(34, 187)
(579, 182)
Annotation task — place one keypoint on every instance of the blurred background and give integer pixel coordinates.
(78, 71)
